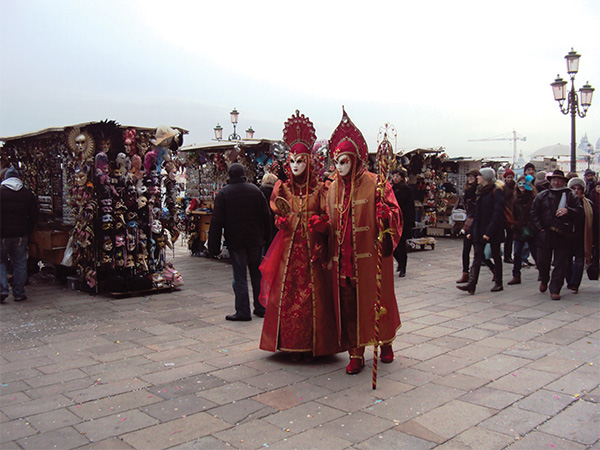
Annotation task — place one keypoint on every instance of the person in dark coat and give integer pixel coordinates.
(241, 210)
(522, 229)
(18, 216)
(469, 201)
(594, 198)
(509, 194)
(553, 214)
(581, 244)
(541, 182)
(589, 177)
(406, 201)
(487, 228)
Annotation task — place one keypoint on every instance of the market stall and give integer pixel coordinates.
(108, 201)
(206, 173)
(433, 178)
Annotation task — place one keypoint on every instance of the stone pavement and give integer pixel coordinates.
(509, 370)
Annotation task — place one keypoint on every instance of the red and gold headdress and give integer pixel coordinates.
(347, 138)
(299, 134)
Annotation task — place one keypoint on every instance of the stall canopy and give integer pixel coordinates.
(46, 132)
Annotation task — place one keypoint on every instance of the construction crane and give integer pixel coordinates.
(515, 137)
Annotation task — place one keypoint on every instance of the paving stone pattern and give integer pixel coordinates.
(508, 370)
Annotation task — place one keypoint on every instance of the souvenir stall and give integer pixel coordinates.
(432, 177)
(206, 168)
(107, 202)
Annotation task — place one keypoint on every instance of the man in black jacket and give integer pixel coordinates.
(18, 216)
(242, 211)
(405, 199)
(553, 215)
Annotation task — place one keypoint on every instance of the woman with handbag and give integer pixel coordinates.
(522, 230)
(488, 228)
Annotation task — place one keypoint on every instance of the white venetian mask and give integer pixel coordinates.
(343, 165)
(297, 164)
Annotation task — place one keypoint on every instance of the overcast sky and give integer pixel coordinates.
(442, 72)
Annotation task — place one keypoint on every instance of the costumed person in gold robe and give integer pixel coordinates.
(296, 286)
(353, 206)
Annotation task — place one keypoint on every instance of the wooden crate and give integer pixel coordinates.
(434, 231)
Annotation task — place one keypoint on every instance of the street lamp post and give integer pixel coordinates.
(234, 120)
(233, 136)
(573, 105)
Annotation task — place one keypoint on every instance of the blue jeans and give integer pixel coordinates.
(16, 248)
(519, 259)
(240, 259)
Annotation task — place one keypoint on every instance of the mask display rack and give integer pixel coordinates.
(92, 204)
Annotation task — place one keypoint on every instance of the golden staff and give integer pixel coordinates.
(383, 154)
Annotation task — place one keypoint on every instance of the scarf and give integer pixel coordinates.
(483, 189)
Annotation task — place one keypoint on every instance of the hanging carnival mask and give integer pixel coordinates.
(81, 144)
(108, 245)
(131, 243)
(142, 202)
(80, 173)
(106, 259)
(130, 261)
(171, 170)
(119, 240)
(156, 226)
(120, 259)
(120, 208)
(142, 262)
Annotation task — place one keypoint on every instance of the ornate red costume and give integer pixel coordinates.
(297, 288)
(353, 204)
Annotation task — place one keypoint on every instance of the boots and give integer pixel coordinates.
(387, 354)
(516, 279)
(470, 288)
(356, 365)
(464, 278)
(497, 288)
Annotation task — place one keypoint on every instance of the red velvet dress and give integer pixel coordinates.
(299, 303)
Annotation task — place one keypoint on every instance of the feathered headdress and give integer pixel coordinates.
(299, 134)
(347, 138)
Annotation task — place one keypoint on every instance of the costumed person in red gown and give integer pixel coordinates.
(353, 206)
(296, 285)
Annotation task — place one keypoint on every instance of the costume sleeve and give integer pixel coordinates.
(277, 192)
(395, 219)
(217, 222)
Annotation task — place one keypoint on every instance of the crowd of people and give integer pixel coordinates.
(552, 217)
(321, 282)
